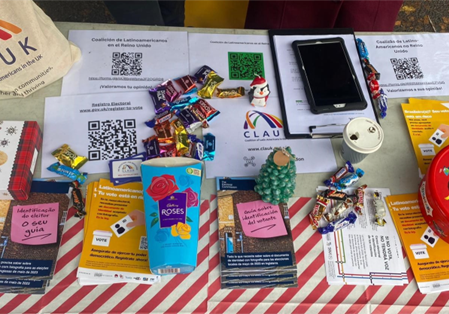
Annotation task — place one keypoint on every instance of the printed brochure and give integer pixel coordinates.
(428, 125)
(426, 252)
(115, 243)
(256, 246)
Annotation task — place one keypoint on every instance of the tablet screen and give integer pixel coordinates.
(329, 73)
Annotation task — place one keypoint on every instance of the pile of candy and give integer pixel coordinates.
(68, 165)
(178, 115)
(373, 76)
(340, 214)
(336, 208)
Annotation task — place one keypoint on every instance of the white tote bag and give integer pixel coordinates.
(33, 52)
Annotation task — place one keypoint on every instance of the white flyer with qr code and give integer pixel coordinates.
(100, 127)
(235, 57)
(410, 65)
(119, 61)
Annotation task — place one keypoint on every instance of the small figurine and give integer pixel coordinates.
(258, 94)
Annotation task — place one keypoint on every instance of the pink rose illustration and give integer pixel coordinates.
(162, 187)
(192, 198)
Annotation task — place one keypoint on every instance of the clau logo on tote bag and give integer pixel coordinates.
(10, 27)
(11, 59)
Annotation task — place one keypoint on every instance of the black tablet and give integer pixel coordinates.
(330, 82)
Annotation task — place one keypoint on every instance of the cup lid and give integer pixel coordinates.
(363, 135)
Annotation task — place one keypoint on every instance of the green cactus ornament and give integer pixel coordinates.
(277, 177)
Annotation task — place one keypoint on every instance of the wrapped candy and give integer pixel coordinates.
(231, 92)
(164, 132)
(209, 147)
(347, 168)
(382, 101)
(168, 150)
(318, 211)
(339, 224)
(373, 76)
(181, 137)
(358, 206)
(159, 119)
(209, 112)
(151, 145)
(70, 173)
(335, 195)
(160, 102)
(171, 93)
(350, 179)
(187, 84)
(213, 80)
(196, 148)
(338, 211)
(189, 119)
(182, 103)
(373, 86)
(66, 156)
(202, 73)
(380, 211)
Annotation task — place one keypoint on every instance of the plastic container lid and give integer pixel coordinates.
(437, 178)
(363, 135)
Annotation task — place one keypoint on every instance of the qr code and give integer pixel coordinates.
(245, 65)
(406, 68)
(143, 245)
(112, 139)
(127, 63)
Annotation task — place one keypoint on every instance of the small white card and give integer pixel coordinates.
(429, 237)
(101, 238)
(120, 227)
(128, 168)
(419, 251)
(437, 139)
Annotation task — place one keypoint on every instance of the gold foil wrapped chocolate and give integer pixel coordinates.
(66, 156)
(181, 137)
(231, 92)
(213, 80)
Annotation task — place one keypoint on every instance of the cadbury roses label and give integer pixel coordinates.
(172, 210)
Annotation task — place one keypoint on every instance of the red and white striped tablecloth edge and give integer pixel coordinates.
(321, 298)
(65, 295)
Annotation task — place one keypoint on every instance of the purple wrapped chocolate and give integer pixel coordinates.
(339, 224)
(151, 145)
(159, 119)
(171, 94)
(196, 149)
(188, 119)
(202, 73)
(182, 103)
(160, 102)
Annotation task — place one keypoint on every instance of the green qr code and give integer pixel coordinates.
(245, 65)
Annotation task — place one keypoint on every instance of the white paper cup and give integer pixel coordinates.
(361, 137)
